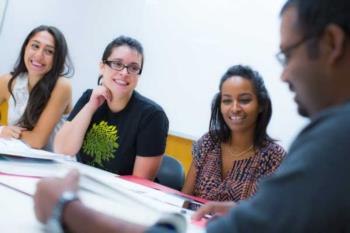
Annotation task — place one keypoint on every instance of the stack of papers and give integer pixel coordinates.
(17, 148)
(21, 167)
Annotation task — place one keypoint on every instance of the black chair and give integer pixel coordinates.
(171, 173)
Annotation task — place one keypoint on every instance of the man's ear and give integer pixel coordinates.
(334, 38)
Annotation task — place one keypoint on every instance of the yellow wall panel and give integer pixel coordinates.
(181, 149)
(3, 113)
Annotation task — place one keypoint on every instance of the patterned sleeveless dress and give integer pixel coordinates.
(241, 180)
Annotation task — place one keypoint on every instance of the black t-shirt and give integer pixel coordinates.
(113, 140)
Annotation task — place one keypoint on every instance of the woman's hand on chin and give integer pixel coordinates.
(99, 95)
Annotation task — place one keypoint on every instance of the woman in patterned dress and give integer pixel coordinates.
(236, 153)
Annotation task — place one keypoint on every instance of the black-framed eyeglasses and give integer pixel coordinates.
(284, 55)
(132, 68)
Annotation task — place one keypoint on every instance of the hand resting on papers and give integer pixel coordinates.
(48, 192)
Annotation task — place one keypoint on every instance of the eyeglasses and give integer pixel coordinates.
(284, 55)
(132, 68)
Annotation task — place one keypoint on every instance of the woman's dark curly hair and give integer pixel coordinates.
(218, 129)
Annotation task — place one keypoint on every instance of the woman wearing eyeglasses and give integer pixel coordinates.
(113, 127)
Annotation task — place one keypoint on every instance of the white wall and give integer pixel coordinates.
(188, 46)
(3, 4)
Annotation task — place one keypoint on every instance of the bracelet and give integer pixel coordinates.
(55, 222)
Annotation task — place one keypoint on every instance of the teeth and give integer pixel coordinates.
(34, 63)
(236, 118)
(120, 82)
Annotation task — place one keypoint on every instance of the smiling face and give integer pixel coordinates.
(39, 54)
(121, 83)
(239, 104)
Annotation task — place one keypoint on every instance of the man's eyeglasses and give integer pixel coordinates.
(132, 68)
(284, 55)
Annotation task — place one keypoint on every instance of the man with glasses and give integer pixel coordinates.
(310, 190)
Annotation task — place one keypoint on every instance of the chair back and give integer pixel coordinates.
(171, 173)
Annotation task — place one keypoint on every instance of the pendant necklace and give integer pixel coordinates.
(241, 154)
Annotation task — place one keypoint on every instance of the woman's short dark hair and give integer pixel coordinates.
(41, 92)
(219, 130)
(121, 41)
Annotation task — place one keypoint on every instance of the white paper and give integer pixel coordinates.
(18, 148)
(101, 190)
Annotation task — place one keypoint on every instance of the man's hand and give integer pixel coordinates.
(213, 208)
(48, 192)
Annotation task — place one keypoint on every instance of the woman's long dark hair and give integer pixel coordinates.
(218, 129)
(41, 92)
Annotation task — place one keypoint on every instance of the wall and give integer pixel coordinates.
(3, 4)
(188, 45)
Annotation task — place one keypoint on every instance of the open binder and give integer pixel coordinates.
(101, 190)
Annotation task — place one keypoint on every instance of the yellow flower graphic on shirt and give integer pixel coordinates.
(100, 142)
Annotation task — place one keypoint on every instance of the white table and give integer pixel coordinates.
(16, 208)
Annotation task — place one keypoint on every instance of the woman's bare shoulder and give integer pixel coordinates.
(4, 80)
(63, 85)
(63, 82)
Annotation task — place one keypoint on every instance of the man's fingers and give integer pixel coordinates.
(37, 210)
(201, 212)
(38, 198)
(216, 208)
(72, 180)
